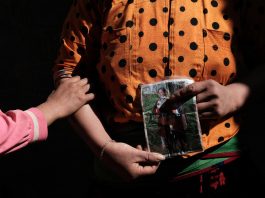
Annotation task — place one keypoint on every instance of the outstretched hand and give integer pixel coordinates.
(130, 163)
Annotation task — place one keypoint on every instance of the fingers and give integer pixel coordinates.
(77, 81)
(204, 107)
(194, 88)
(207, 115)
(155, 156)
(185, 93)
(149, 162)
(191, 90)
(152, 157)
(86, 88)
(147, 170)
(139, 147)
(203, 97)
(83, 82)
(209, 110)
(90, 96)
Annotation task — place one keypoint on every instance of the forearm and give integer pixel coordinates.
(49, 113)
(90, 128)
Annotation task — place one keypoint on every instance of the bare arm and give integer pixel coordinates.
(90, 128)
(128, 162)
(122, 158)
(66, 99)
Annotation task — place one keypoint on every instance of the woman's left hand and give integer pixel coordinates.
(214, 100)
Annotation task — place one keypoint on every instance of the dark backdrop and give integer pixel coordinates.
(61, 166)
(29, 39)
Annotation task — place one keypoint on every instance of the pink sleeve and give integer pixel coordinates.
(19, 128)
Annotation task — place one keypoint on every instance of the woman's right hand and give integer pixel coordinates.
(130, 163)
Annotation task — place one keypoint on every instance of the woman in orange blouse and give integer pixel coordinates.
(125, 43)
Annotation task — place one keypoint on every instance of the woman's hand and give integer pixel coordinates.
(129, 162)
(214, 100)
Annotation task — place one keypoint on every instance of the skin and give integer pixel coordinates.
(69, 96)
(126, 161)
(215, 101)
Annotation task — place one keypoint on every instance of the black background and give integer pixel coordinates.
(62, 165)
(29, 40)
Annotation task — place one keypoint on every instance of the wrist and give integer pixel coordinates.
(242, 92)
(103, 148)
(49, 112)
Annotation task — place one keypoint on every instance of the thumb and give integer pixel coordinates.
(153, 157)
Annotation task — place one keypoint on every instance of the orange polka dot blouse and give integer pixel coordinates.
(132, 42)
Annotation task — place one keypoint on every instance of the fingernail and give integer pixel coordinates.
(159, 156)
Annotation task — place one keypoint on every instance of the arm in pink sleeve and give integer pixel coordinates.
(19, 128)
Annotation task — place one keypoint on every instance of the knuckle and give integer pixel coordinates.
(211, 83)
(214, 90)
(81, 98)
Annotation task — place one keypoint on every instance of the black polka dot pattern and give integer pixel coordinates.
(153, 46)
(215, 25)
(129, 24)
(213, 73)
(153, 73)
(227, 125)
(153, 22)
(226, 61)
(194, 21)
(214, 3)
(122, 63)
(123, 39)
(141, 10)
(182, 8)
(227, 36)
(193, 46)
(145, 42)
(180, 58)
(181, 33)
(141, 34)
(193, 73)
(221, 139)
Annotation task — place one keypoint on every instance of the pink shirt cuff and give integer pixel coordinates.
(40, 124)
